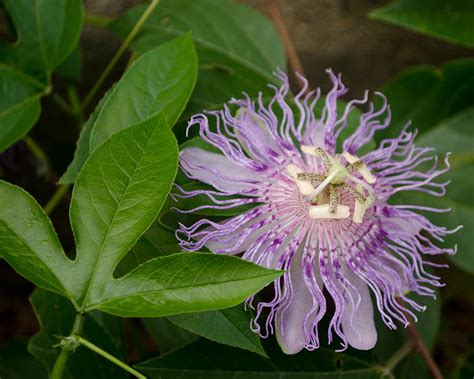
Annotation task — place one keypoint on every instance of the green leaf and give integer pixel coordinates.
(56, 316)
(167, 336)
(228, 326)
(181, 283)
(440, 103)
(17, 363)
(390, 341)
(205, 359)
(450, 20)
(159, 82)
(427, 95)
(156, 242)
(454, 135)
(117, 195)
(238, 48)
(47, 33)
(19, 105)
(71, 67)
(29, 243)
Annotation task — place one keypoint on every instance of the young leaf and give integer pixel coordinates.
(228, 326)
(56, 315)
(238, 48)
(451, 20)
(160, 81)
(29, 243)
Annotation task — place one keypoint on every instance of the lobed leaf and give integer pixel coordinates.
(118, 194)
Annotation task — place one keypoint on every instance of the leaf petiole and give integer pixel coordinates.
(107, 356)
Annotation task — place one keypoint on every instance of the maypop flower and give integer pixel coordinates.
(322, 214)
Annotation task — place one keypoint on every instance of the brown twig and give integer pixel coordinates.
(423, 350)
(419, 344)
(293, 58)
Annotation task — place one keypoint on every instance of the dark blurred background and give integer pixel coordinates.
(326, 33)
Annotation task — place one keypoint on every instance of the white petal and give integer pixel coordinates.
(290, 327)
(217, 170)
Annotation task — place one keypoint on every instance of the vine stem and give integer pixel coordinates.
(37, 151)
(96, 349)
(56, 198)
(63, 356)
(119, 53)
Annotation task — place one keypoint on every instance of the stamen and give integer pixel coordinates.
(333, 199)
(337, 174)
(323, 185)
(328, 161)
(363, 170)
(310, 176)
(304, 186)
(322, 211)
(356, 193)
(361, 206)
(357, 165)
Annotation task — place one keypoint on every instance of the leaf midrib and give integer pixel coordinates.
(109, 228)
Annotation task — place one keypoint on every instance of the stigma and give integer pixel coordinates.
(322, 190)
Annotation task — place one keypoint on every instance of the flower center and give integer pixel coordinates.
(322, 190)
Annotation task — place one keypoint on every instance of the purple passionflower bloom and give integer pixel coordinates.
(322, 214)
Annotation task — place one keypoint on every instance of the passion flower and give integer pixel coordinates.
(323, 212)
